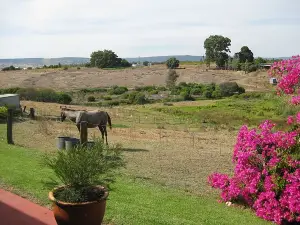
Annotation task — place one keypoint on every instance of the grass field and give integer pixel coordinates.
(170, 150)
(177, 146)
(130, 201)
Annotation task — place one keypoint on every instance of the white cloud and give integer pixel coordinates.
(44, 28)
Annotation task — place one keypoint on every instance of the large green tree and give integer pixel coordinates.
(107, 59)
(216, 48)
(245, 55)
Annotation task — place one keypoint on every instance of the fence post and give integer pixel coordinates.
(9, 126)
(83, 133)
(32, 113)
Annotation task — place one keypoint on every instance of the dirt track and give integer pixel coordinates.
(156, 75)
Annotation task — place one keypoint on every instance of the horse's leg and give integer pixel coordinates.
(102, 131)
(105, 131)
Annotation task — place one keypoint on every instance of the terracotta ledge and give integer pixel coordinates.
(17, 210)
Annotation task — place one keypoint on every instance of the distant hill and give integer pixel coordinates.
(34, 62)
(165, 58)
(23, 62)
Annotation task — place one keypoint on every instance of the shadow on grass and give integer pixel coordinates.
(134, 150)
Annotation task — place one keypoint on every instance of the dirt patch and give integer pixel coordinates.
(71, 79)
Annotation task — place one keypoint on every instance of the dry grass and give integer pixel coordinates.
(71, 79)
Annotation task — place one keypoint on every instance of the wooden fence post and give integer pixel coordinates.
(9, 126)
(83, 133)
(32, 113)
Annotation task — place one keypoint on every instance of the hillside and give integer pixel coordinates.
(73, 78)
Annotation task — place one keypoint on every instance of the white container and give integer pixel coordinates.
(10, 100)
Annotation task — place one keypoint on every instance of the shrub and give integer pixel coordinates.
(267, 162)
(3, 113)
(230, 88)
(107, 97)
(207, 94)
(91, 99)
(196, 91)
(216, 93)
(111, 103)
(161, 88)
(65, 68)
(93, 90)
(153, 92)
(186, 95)
(118, 90)
(13, 90)
(40, 95)
(252, 68)
(172, 63)
(137, 98)
(82, 167)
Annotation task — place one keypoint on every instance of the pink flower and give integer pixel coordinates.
(290, 120)
(266, 176)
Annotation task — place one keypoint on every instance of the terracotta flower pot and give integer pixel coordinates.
(88, 213)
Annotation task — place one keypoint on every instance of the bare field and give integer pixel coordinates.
(72, 78)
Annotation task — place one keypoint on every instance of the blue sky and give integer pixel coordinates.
(132, 28)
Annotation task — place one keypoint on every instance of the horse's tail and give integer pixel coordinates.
(109, 120)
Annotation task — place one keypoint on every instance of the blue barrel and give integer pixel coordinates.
(61, 142)
(71, 143)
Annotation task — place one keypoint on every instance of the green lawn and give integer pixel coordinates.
(130, 202)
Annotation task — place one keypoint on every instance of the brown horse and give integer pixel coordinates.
(93, 118)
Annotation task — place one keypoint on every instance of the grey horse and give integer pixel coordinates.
(94, 119)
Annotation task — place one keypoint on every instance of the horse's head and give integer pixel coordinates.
(62, 116)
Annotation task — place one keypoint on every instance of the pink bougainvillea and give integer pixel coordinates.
(266, 176)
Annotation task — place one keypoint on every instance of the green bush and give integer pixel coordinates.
(93, 90)
(3, 113)
(107, 97)
(117, 90)
(91, 99)
(111, 103)
(186, 95)
(137, 98)
(161, 88)
(216, 93)
(252, 68)
(39, 95)
(230, 88)
(13, 90)
(153, 92)
(196, 91)
(82, 167)
(207, 93)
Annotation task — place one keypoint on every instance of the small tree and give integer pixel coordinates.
(171, 78)
(145, 63)
(172, 63)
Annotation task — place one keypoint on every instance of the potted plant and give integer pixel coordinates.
(85, 173)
